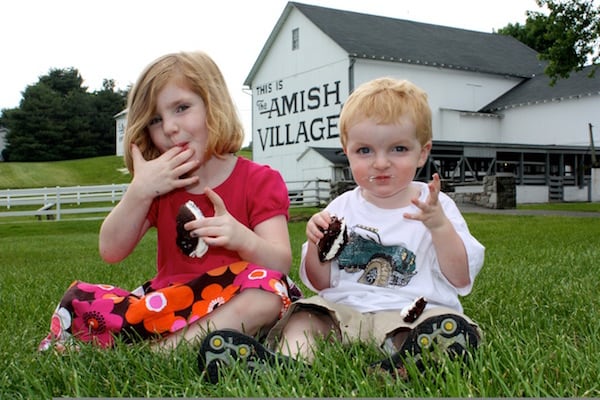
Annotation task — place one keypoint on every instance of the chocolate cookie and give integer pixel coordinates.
(414, 311)
(334, 240)
(190, 246)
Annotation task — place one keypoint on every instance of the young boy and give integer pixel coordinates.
(406, 255)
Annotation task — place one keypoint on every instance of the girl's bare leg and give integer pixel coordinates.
(247, 312)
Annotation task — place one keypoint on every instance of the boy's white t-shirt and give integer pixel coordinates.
(419, 275)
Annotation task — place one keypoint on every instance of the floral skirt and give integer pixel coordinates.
(96, 313)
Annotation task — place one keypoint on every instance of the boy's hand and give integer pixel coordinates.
(316, 225)
(432, 214)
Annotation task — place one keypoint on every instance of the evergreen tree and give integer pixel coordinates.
(58, 119)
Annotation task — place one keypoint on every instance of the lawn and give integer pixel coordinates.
(536, 300)
(90, 171)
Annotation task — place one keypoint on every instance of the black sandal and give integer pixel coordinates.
(224, 347)
(449, 333)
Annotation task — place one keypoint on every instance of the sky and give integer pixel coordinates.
(113, 39)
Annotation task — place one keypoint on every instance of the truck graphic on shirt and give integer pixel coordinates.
(380, 265)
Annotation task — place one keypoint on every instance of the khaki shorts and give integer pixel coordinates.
(352, 325)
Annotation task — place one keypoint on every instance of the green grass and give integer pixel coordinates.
(575, 206)
(536, 300)
(89, 171)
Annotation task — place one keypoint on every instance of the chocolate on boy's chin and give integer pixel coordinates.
(380, 178)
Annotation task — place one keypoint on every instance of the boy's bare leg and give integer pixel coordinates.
(301, 331)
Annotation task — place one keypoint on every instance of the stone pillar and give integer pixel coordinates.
(506, 191)
(499, 191)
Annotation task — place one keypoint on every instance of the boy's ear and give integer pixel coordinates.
(425, 150)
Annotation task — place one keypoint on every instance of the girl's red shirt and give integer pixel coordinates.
(252, 194)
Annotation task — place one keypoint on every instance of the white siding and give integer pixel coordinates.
(468, 127)
(556, 122)
(121, 121)
(314, 166)
(446, 90)
(297, 97)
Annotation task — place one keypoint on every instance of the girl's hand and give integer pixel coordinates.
(164, 173)
(316, 225)
(432, 214)
(222, 229)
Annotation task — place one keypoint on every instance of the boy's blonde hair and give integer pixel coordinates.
(386, 100)
(199, 73)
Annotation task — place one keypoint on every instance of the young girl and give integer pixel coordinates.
(182, 135)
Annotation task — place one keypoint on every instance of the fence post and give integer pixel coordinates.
(8, 199)
(58, 203)
(318, 186)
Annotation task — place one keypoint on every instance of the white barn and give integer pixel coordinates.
(493, 108)
(121, 122)
(3, 133)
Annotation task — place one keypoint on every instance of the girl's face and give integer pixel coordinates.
(179, 120)
(384, 159)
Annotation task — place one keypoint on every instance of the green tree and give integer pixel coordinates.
(532, 33)
(568, 38)
(35, 126)
(107, 103)
(63, 81)
(58, 119)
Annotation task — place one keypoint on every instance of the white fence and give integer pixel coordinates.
(309, 193)
(52, 203)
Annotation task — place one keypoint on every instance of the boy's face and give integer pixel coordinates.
(384, 159)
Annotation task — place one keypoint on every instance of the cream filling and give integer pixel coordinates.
(410, 308)
(201, 247)
(337, 243)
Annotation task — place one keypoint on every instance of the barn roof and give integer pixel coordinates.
(397, 40)
(538, 90)
(335, 155)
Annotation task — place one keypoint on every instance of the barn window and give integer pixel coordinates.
(295, 39)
